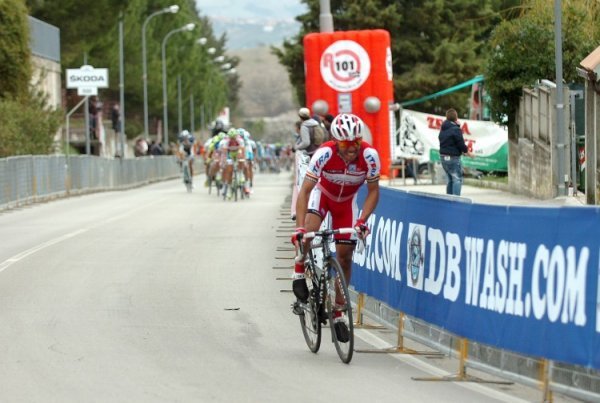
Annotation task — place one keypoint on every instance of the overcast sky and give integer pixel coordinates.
(262, 9)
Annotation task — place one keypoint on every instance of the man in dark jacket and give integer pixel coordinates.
(452, 146)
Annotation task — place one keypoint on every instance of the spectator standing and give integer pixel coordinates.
(452, 147)
(141, 147)
(115, 117)
(305, 141)
(296, 132)
(327, 119)
(93, 112)
(156, 148)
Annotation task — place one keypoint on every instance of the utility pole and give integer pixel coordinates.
(121, 89)
(192, 113)
(325, 17)
(179, 116)
(562, 176)
(86, 113)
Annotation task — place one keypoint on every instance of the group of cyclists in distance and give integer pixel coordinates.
(229, 154)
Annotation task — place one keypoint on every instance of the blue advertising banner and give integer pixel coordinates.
(524, 279)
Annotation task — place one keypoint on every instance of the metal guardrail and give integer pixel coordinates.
(28, 179)
(570, 380)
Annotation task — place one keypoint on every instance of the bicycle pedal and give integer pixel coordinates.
(298, 308)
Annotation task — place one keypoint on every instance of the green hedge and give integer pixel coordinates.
(26, 128)
(15, 62)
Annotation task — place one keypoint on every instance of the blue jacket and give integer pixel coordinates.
(451, 139)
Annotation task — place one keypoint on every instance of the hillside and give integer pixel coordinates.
(266, 90)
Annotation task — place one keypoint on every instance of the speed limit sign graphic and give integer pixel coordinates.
(345, 66)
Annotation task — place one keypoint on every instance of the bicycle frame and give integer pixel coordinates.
(326, 282)
(326, 236)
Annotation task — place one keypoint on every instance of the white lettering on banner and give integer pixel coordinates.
(379, 238)
(487, 297)
(433, 284)
(452, 285)
(501, 287)
(540, 262)
(556, 283)
(382, 247)
(474, 250)
(494, 271)
(564, 276)
(514, 302)
(448, 277)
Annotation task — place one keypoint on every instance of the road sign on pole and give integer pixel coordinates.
(87, 77)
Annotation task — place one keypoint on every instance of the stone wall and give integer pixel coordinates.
(533, 164)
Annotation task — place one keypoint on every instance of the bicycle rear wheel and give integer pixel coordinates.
(340, 312)
(187, 178)
(309, 320)
(234, 185)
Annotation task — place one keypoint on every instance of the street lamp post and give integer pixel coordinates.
(192, 113)
(172, 10)
(187, 27)
(179, 112)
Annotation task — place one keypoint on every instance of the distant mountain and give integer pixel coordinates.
(263, 9)
(266, 88)
(253, 33)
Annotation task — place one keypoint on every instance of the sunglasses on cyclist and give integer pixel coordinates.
(348, 143)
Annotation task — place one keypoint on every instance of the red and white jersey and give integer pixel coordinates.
(231, 145)
(340, 180)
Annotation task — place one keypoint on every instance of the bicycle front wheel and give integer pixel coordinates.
(187, 178)
(309, 320)
(339, 310)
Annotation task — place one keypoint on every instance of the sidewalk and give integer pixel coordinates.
(485, 195)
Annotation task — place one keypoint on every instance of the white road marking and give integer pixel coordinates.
(20, 256)
(377, 342)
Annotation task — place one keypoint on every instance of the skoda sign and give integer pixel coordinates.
(87, 77)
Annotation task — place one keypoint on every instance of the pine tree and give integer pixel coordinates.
(15, 62)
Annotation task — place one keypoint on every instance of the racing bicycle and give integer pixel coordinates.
(328, 293)
(187, 177)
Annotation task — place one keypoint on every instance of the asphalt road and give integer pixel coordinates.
(157, 295)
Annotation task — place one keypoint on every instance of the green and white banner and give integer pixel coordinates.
(418, 138)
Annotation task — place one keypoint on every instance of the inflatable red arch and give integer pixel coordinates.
(351, 71)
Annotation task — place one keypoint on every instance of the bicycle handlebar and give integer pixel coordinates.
(329, 232)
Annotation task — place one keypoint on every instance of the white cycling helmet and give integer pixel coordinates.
(347, 127)
(184, 135)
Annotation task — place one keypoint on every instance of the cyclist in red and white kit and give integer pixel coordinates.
(232, 152)
(335, 173)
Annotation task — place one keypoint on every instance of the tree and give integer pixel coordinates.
(95, 33)
(435, 44)
(15, 63)
(26, 125)
(523, 50)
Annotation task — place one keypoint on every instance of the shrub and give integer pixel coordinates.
(15, 63)
(26, 128)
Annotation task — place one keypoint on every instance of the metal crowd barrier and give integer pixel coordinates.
(570, 380)
(28, 179)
